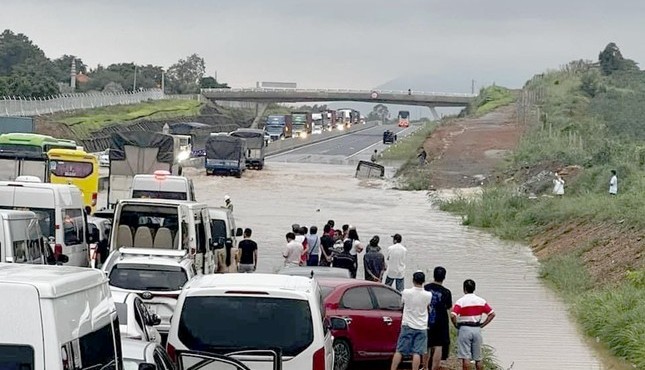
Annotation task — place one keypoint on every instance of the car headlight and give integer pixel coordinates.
(183, 156)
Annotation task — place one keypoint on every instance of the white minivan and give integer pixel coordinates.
(162, 185)
(164, 224)
(57, 318)
(61, 215)
(20, 238)
(224, 313)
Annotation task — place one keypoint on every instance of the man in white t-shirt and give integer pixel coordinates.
(413, 339)
(292, 251)
(395, 258)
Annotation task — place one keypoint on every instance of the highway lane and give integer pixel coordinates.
(346, 149)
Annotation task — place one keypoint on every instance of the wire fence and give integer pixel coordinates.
(20, 107)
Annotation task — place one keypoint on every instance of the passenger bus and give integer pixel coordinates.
(23, 154)
(76, 167)
(404, 118)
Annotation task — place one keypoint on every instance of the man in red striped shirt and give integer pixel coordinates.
(467, 317)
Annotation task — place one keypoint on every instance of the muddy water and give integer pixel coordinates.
(532, 330)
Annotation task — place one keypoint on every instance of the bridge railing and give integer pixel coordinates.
(350, 91)
(20, 106)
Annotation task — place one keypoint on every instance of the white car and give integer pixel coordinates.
(224, 313)
(137, 352)
(157, 276)
(135, 321)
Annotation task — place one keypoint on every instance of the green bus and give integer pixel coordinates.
(23, 154)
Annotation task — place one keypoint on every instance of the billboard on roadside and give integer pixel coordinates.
(277, 85)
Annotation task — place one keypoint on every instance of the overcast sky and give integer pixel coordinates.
(431, 44)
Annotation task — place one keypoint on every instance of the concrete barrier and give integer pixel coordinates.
(281, 146)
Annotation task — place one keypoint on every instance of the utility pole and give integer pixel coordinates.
(72, 73)
(163, 82)
(134, 85)
(472, 87)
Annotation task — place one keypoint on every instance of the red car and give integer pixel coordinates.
(373, 314)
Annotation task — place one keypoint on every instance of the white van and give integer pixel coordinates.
(164, 224)
(162, 185)
(61, 215)
(20, 238)
(57, 318)
(225, 312)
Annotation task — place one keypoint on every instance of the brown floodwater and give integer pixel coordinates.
(532, 329)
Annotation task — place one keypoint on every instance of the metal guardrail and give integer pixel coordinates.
(291, 91)
(20, 106)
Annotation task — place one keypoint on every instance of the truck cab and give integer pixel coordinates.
(164, 224)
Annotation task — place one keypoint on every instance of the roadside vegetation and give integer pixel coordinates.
(83, 122)
(405, 151)
(582, 120)
(489, 99)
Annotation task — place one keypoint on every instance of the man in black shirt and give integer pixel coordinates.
(438, 321)
(327, 243)
(248, 250)
(345, 260)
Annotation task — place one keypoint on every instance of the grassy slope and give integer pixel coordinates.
(85, 121)
(573, 131)
(406, 150)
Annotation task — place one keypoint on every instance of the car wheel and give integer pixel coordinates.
(342, 354)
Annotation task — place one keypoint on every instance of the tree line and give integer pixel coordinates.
(26, 71)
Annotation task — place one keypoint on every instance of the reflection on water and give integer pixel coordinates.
(532, 329)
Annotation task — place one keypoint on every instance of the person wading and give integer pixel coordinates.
(413, 338)
(438, 321)
(467, 317)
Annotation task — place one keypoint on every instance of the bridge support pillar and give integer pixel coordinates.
(435, 115)
(259, 111)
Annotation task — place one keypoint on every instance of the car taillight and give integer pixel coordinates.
(171, 352)
(94, 196)
(58, 249)
(319, 359)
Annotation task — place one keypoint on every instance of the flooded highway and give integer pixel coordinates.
(532, 329)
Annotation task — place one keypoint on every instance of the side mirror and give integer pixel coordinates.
(239, 232)
(147, 367)
(154, 320)
(229, 243)
(337, 323)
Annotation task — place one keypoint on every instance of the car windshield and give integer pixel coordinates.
(148, 277)
(245, 322)
(326, 291)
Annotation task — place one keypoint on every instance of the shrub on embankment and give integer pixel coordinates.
(591, 243)
(489, 99)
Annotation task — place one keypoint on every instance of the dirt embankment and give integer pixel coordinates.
(467, 152)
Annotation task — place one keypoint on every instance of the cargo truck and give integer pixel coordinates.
(225, 154)
(301, 122)
(255, 145)
(279, 127)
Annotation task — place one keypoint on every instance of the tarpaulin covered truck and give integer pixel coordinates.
(138, 152)
(225, 154)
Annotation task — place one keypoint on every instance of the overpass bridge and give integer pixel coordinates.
(431, 100)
